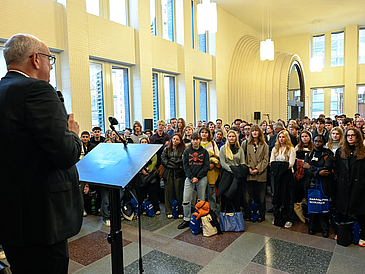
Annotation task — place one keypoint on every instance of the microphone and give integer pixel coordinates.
(113, 122)
(60, 96)
(59, 93)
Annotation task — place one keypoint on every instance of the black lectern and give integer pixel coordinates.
(114, 165)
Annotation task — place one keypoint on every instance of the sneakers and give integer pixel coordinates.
(362, 243)
(169, 216)
(106, 222)
(180, 216)
(3, 257)
(158, 212)
(183, 225)
(288, 224)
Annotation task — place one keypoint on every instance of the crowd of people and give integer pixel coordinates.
(236, 165)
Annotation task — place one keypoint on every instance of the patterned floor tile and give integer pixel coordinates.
(216, 242)
(90, 248)
(150, 223)
(188, 252)
(253, 268)
(162, 263)
(293, 258)
(305, 239)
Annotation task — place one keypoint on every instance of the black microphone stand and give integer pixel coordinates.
(120, 137)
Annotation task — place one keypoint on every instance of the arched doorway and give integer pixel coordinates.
(296, 92)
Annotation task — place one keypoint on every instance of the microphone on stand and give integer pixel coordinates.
(113, 122)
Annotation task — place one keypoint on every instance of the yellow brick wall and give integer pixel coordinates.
(80, 37)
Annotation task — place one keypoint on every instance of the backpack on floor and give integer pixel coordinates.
(148, 208)
(175, 208)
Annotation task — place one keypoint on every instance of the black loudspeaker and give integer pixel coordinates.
(257, 115)
(148, 124)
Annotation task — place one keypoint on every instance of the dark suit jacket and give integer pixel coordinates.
(40, 200)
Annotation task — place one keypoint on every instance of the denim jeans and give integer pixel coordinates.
(104, 193)
(189, 187)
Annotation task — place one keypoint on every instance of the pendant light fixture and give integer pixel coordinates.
(207, 17)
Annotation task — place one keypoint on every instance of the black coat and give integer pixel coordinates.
(349, 184)
(173, 163)
(283, 180)
(319, 160)
(228, 184)
(40, 200)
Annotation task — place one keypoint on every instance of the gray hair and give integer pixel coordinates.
(19, 47)
(278, 125)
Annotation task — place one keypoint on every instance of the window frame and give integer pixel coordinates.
(324, 48)
(162, 93)
(104, 11)
(197, 98)
(108, 89)
(361, 28)
(343, 47)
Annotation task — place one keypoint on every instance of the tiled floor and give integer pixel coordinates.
(261, 248)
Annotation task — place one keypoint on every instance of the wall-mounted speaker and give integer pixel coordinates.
(148, 124)
(257, 115)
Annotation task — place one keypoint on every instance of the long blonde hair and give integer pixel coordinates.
(288, 143)
(227, 146)
(330, 141)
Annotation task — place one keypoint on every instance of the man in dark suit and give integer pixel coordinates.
(40, 201)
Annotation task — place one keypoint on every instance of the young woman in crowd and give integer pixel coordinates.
(263, 126)
(269, 132)
(231, 155)
(180, 126)
(257, 159)
(148, 132)
(107, 134)
(335, 139)
(212, 128)
(350, 179)
(304, 146)
(282, 161)
(149, 183)
(137, 134)
(219, 138)
(213, 150)
(187, 133)
(173, 174)
(318, 167)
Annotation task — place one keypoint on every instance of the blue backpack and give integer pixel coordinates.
(174, 208)
(148, 208)
(196, 225)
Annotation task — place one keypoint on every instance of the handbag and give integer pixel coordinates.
(231, 221)
(207, 227)
(317, 201)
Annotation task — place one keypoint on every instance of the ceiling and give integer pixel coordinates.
(289, 17)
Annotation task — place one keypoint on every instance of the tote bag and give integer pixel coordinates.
(317, 201)
(231, 221)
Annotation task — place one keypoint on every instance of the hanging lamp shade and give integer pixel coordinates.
(207, 17)
(267, 50)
